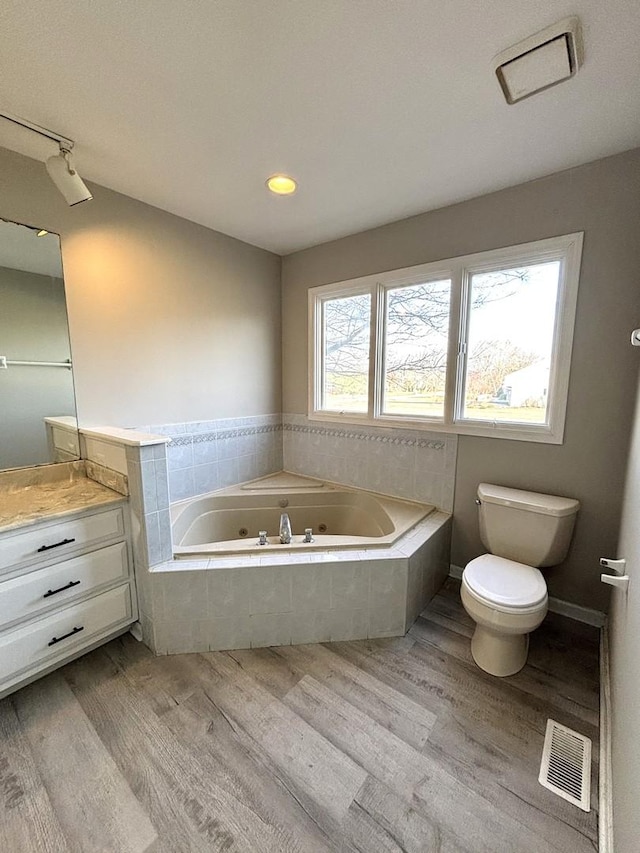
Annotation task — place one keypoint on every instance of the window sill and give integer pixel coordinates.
(512, 432)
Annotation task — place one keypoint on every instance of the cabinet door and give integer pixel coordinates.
(46, 542)
(62, 634)
(55, 586)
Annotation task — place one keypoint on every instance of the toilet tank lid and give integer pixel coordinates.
(530, 501)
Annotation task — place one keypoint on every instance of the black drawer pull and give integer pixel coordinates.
(57, 545)
(60, 589)
(64, 636)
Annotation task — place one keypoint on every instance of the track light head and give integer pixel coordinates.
(59, 167)
(64, 176)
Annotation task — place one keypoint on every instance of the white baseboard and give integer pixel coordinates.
(605, 804)
(557, 605)
(575, 611)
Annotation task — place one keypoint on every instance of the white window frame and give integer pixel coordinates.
(567, 249)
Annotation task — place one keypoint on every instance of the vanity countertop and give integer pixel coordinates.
(23, 504)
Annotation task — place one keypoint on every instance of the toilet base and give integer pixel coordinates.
(499, 654)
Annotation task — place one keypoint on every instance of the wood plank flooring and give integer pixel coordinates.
(380, 746)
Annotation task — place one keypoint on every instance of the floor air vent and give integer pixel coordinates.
(566, 765)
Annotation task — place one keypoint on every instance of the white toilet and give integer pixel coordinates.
(503, 591)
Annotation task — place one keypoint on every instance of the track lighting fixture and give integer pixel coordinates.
(60, 167)
(65, 177)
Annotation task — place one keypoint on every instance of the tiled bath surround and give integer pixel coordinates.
(207, 455)
(411, 464)
(149, 500)
(309, 598)
(263, 600)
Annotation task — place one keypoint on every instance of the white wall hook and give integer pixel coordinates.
(617, 566)
(619, 581)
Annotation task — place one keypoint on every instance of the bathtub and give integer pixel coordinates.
(228, 521)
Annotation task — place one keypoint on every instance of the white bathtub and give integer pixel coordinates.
(228, 522)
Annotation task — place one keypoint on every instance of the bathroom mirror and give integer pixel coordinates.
(37, 403)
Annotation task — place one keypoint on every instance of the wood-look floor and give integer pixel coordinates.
(372, 746)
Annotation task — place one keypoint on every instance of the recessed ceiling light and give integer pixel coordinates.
(281, 184)
(42, 233)
(540, 61)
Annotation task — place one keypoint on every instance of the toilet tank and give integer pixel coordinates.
(528, 527)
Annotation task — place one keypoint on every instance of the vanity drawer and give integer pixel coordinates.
(63, 633)
(28, 595)
(54, 541)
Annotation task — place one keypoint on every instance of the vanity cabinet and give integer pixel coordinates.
(66, 586)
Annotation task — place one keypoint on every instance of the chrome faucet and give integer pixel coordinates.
(285, 529)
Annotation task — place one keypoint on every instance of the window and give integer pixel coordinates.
(478, 345)
(416, 333)
(345, 353)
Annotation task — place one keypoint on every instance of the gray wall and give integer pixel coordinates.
(169, 320)
(603, 200)
(33, 327)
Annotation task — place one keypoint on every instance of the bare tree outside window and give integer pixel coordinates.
(416, 347)
(510, 344)
(346, 332)
(416, 343)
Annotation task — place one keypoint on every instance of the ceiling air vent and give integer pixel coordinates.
(566, 765)
(540, 61)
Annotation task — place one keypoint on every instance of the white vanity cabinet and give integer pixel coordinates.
(66, 586)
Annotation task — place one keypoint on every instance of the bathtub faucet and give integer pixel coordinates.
(285, 529)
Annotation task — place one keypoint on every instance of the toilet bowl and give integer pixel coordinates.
(503, 591)
(506, 600)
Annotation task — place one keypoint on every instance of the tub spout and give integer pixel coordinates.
(285, 529)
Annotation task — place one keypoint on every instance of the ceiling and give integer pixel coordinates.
(379, 109)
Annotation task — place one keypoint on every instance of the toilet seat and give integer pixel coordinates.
(504, 584)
